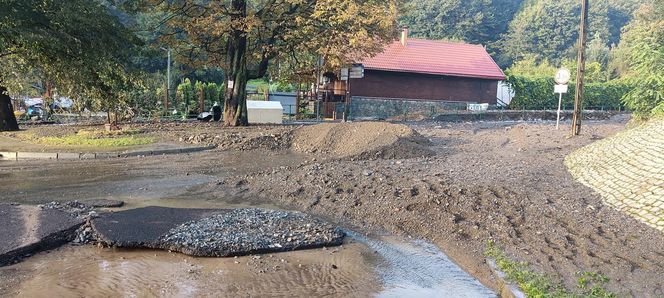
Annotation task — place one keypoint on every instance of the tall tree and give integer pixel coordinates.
(473, 21)
(77, 44)
(548, 28)
(620, 13)
(444, 19)
(245, 36)
(643, 42)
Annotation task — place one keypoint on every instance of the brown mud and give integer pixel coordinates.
(101, 272)
(494, 181)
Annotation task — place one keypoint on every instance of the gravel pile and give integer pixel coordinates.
(250, 231)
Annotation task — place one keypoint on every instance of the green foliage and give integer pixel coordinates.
(590, 284)
(531, 283)
(283, 87)
(147, 97)
(472, 21)
(469, 21)
(536, 93)
(529, 66)
(595, 73)
(544, 28)
(549, 28)
(644, 46)
(188, 96)
(76, 140)
(92, 138)
(213, 94)
(70, 42)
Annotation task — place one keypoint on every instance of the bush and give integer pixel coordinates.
(186, 97)
(189, 95)
(643, 40)
(536, 93)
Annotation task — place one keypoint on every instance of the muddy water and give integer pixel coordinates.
(89, 271)
(380, 266)
(362, 267)
(420, 269)
(131, 179)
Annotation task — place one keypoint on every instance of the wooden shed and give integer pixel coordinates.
(418, 69)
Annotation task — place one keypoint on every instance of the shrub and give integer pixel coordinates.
(536, 93)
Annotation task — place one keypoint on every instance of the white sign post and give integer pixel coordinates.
(562, 78)
(344, 74)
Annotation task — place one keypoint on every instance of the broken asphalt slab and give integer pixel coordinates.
(103, 203)
(142, 227)
(214, 233)
(27, 230)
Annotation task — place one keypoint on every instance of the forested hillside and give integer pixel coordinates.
(514, 29)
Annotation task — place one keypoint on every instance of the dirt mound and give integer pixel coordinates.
(361, 140)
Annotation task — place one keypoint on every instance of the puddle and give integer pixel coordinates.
(89, 271)
(132, 179)
(363, 267)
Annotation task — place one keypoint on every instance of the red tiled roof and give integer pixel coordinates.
(438, 58)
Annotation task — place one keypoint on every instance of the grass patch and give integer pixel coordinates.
(91, 138)
(533, 284)
(77, 140)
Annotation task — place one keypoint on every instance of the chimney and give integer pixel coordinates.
(404, 36)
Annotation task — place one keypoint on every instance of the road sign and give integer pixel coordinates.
(357, 71)
(560, 89)
(344, 74)
(562, 76)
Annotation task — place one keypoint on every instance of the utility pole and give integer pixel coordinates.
(168, 79)
(581, 69)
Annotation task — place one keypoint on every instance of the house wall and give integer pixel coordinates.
(398, 85)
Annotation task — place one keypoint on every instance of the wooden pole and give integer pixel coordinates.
(580, 71)
(168, 81)
(348, 99)
(297, 100)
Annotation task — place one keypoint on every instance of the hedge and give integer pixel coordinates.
(532, 93)
(188, 95)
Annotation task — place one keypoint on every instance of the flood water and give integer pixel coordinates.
(362, 267)
(383, 266)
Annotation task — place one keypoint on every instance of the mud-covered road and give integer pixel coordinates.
(496, 181)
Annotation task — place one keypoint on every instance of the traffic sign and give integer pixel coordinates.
(560, 89)
(562, 76)
(344, 74)
(357, 71)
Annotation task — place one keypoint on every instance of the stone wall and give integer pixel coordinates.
(447, 111)
(627, 170)
(381, 108)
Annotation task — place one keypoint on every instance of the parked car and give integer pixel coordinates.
(36, 111)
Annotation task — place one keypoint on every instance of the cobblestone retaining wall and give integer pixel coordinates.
(627, 170)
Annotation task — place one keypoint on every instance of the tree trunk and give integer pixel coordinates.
(7, 118)
(235, 107)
